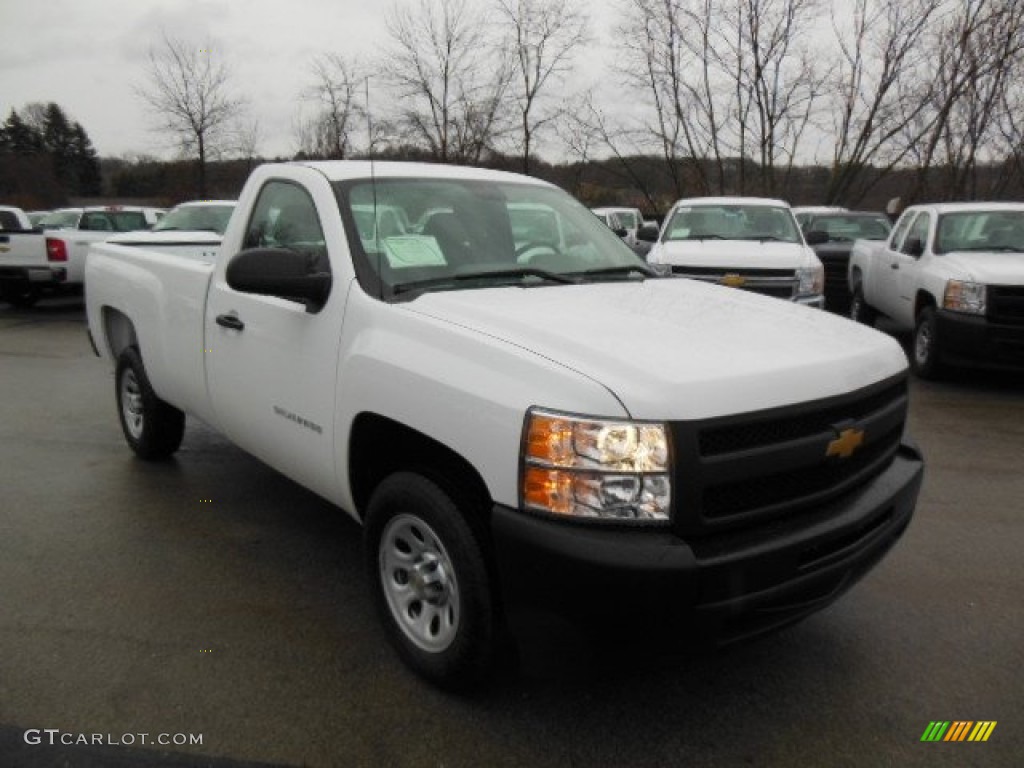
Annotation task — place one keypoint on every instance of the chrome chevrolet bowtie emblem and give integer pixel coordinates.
(733, 280)
(849, 440)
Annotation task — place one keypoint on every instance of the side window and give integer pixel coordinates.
(285, 217)
(918, 231)
(896, 241)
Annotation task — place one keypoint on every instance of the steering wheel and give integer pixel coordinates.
(543, 249)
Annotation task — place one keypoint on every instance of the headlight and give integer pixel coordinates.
(812, 279)
(573, 466)
(962, 296)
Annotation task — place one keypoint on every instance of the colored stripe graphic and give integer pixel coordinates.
(935, 730)
(982, 730)
(958, 730)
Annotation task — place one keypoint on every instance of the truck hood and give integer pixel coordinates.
(732, 254)
(990, 268)
(679, 349)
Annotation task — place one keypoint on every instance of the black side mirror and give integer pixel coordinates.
(816, 237)
(648, 233)
(621, 231)
(280, 272)
(914, 247)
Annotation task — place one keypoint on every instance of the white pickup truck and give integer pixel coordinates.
(52, 257)
(952, 273)
(522, 425)
(745, 242)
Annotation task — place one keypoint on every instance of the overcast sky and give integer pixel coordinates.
(87, 55)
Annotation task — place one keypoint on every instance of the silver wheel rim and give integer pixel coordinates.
(419, 583)
(131, 403)
(923, 343)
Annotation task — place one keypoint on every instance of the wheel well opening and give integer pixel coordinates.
(118, 332)
(922, 300)
(379, 446)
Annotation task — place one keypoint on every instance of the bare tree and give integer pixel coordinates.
(978, 46)
(448, 77)
(189, 95)
(777, 80)
(728, 81)
(337, 98)
(544, 36)
(878, 90)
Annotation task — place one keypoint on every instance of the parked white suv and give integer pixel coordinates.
(744, 242)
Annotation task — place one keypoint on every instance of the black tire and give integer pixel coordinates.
(860, 310)
(19, 295)
(152, 428)
(430, 582)
(925, 358)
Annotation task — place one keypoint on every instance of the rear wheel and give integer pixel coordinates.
(430, 581)
(152, 428)
(19, 294)
(925, 358)
(860, 310)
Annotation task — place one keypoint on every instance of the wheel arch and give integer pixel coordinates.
(924, 299)
(380, 446)
(118, 332)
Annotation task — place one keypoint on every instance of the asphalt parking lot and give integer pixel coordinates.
(210, 596)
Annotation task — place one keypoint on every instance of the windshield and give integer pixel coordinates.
(60, 220)
(629, 219)
(197, 218)
(447, 234)
(840, 227)
(998, 231)
(732, 222)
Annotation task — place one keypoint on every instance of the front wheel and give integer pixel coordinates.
(152, 428)
(430, 581)
(860, 310)
(925, 358)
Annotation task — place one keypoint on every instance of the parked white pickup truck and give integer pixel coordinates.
(744, 242)
(52, 257)
(522, 425)
(954, 275)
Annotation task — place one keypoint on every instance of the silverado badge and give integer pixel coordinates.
(849, 440)
(733, 280)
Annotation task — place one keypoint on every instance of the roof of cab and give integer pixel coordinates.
(342, 170)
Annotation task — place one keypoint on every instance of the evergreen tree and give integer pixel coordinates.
(86, 161)
(19, 138)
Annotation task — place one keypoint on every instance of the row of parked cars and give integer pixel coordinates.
(47, 254)
(951, 274)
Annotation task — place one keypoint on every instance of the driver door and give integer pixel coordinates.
(271, 364)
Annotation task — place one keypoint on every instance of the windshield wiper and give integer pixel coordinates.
(511, 272)
(765, 238)
(624, 269)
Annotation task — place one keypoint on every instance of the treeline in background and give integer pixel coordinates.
(842, 102)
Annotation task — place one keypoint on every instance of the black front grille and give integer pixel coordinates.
(718, 272)
(1006, 304)
(753, 431)
(780, 283)
(755, 467)
(781, 488)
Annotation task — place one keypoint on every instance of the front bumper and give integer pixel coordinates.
(978, 341)
(652, 584)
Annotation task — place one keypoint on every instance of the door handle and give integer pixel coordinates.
(230, 321)
(894, 265)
